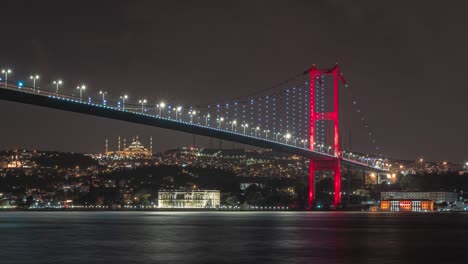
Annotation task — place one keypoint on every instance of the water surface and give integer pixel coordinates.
(232, 237)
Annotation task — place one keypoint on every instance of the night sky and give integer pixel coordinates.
(406, 62)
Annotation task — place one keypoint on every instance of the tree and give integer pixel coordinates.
(253, 195)
(232, 200)
(29, 201)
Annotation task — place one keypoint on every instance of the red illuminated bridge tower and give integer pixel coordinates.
(332, 163)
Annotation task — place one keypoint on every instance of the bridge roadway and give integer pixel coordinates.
(66, 103)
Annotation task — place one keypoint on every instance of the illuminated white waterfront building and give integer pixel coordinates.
(189, 199)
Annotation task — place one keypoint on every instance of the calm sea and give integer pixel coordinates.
(232, 237)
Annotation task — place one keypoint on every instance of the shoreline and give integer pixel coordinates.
(213, 210)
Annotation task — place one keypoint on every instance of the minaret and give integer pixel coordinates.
(125, 142)
(107, 146)
(151, 145)
(118, 145)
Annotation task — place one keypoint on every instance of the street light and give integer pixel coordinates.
(103, 93)
(206, 119)
(220, 120)
(57, 83)
(192, 113)
(123, 97)
(256, 129)
(266, 133)
(276, 136)
(421, 160)
(81, 88)
(233, 123)
(6, 72)
(177, 110)
(142, 102)
(161, 105)
(287, 136)
(34, 78)
(245, 126)
(321, 146)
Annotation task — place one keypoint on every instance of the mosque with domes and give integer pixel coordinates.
(136, 150)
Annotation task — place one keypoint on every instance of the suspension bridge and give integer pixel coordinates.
(300, 116)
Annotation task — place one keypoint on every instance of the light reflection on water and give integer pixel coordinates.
(232, 237)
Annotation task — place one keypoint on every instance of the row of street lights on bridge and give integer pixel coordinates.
(57, 83)
(34, 77)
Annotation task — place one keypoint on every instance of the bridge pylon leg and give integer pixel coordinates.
(325, 164)
(311, 184)
(337, 183)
